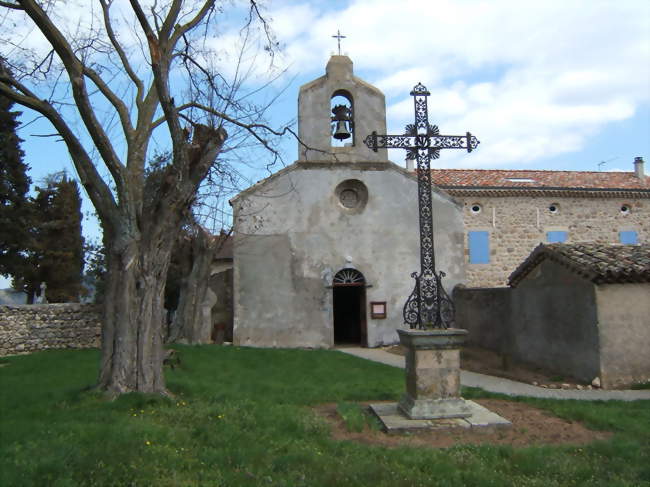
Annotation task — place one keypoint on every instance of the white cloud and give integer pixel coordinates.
(533, 79)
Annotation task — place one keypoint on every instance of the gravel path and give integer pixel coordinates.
(504, 386)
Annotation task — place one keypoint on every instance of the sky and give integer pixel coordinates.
(544, 85)
(554, 85)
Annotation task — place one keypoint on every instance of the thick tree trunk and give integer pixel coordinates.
(138, 239)
(193, 319)
(132, 341)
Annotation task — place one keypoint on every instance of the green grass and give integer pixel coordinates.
(242, 417)
(357, 417)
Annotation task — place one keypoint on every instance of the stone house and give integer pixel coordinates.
(583, 310)
(507, 213)
(323, 249)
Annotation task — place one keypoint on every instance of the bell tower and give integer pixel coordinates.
(336, 112)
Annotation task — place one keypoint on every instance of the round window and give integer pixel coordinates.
(352, 195)
(475, 208)
(349, 198)
(554, 208)
(625, 209)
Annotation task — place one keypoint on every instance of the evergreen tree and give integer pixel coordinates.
(95, 274)
(14, 185)
(56, 256)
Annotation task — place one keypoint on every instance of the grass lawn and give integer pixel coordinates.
(242, 417)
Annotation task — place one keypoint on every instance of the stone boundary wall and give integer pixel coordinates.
(30, 328)
(485, 314)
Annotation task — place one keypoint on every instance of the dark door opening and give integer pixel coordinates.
(349, 300)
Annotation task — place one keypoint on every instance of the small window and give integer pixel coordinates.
(475, 208)
(625, 209)
(520, 180)
(479, 247)
(554, 208)
(556, 236)
(628, 237)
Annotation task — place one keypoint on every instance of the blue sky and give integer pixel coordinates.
(551, 85)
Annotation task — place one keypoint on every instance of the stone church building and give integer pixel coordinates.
(323, 249)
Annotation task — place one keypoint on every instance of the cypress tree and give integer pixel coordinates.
(57, 252)
(14, 204)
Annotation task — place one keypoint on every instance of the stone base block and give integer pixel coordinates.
(453, 407)
(481, 419)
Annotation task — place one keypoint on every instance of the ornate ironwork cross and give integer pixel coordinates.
(428, 306)
(338, 37)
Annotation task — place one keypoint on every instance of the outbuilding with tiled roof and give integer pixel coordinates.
(584, 309)
(600, 264)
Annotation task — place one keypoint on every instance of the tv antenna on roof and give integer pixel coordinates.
(602, 163)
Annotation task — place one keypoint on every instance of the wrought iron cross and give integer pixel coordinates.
(338, 37)
(428, 306)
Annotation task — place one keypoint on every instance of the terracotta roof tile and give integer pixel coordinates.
(505, 178)
(596, 262)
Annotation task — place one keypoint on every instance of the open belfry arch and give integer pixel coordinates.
(316, 102)
(341, 210)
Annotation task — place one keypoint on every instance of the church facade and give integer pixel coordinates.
(323, 249)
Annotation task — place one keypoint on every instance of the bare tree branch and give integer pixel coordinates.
(14, 6)
(160, 51)
(90, 178)
(180, 30)
(74, 67)
(120, 52)
(250, 128)
(116, 101)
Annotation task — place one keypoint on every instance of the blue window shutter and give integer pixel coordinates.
(628, 237)
(479, 247)
(559, 236)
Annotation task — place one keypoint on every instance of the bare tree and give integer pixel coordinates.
(192, 321)
(110, 93)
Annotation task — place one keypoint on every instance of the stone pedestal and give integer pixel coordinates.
(433, 374)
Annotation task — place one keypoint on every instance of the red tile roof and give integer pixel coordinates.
(596, 262)
(503, 178)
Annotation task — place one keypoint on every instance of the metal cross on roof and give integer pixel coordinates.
(428, 306)
(338, 37)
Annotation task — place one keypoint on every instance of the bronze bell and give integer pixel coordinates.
(342, 119)
(341, 131)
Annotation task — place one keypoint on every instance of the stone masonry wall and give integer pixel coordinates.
(517, 224)
(29, 328)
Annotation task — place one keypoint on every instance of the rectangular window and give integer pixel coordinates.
(628, 237)
(479, 247)
(556, 236)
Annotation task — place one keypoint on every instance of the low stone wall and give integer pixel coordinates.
(485, 314)
(29, 328)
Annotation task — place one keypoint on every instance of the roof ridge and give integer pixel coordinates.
(534, 170)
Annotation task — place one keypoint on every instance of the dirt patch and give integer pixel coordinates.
(484, 361)
(530, 426)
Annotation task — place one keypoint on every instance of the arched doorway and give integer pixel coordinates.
(349, 299)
